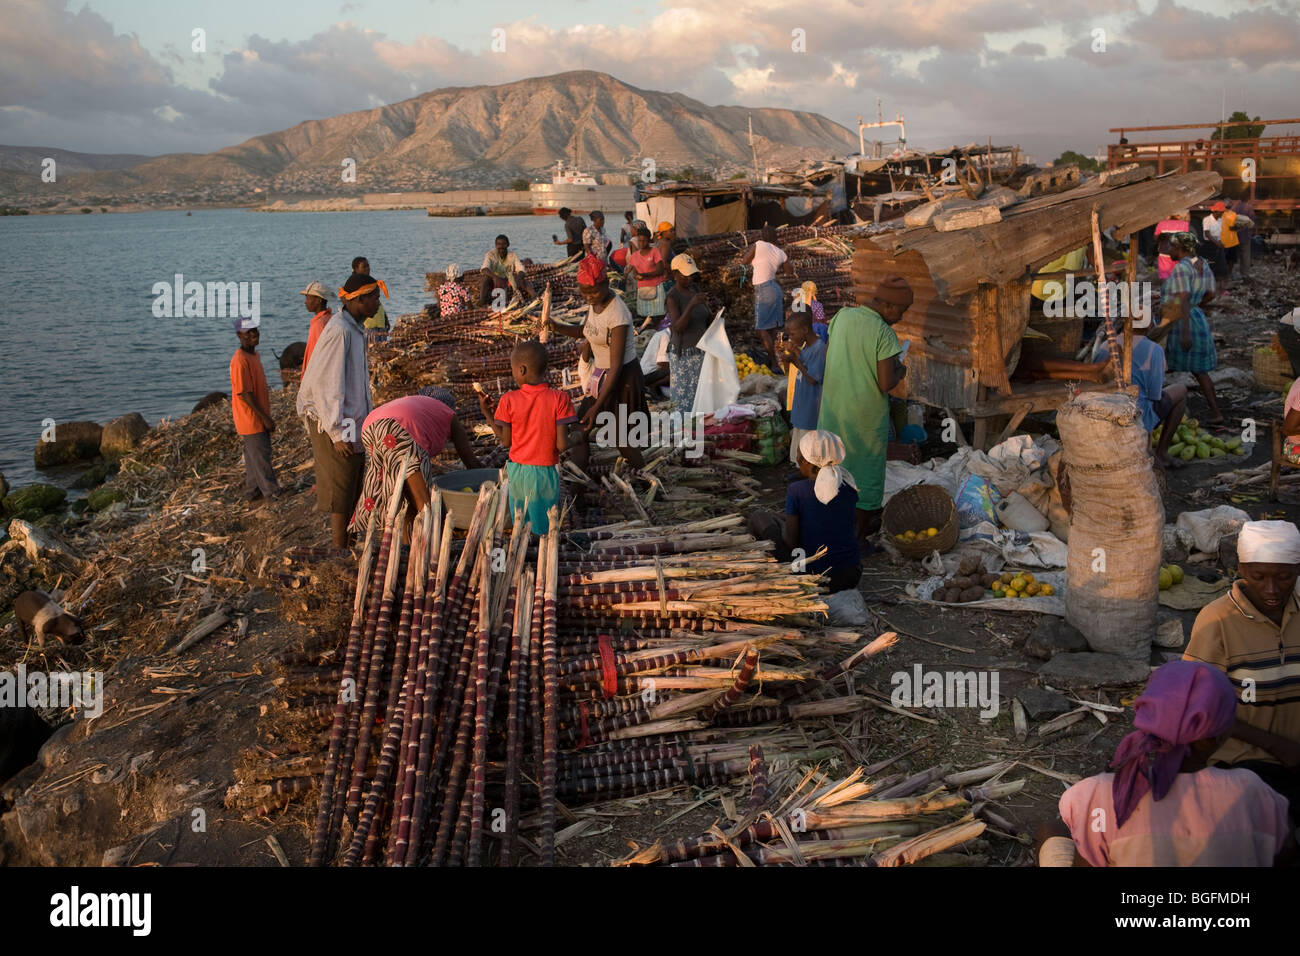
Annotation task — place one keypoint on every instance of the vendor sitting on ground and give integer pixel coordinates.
(1252, 634)
(417, 425)
(1164, 806)
(1159, 405)
(819, 513)
(502, 270)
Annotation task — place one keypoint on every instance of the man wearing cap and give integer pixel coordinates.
(334, 398)
(1252, 634)
(250, 406)
(317, 302)
(862, 366)
(1220, 226)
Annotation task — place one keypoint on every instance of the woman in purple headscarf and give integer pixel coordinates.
(1164, 806)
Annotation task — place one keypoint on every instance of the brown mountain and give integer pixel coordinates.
(496, 132)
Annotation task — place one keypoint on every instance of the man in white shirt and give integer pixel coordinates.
(334, 400)
(769, 302)
(502, 270)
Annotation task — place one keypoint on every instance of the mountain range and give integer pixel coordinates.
(467, 136)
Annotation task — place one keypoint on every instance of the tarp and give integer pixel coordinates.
(719, 381)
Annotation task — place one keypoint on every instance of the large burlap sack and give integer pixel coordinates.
(1116, 524)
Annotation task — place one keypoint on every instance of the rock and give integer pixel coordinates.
(80, 506)
(4, 486)
(39, 544)
(38, 498)
(1053, 636)
(208, 400)
(95, 475)
(73, 441)
(101, 498)
(122, 434)
(1040, 703)
(1091, 669)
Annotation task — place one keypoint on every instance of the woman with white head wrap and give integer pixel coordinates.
(1252, 634)
(819, 511)
(453, 297)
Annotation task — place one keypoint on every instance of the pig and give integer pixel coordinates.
(37, 611)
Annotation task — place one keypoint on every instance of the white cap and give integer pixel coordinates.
(317, 289)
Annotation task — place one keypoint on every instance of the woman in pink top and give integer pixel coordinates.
(1164, 261)
(1164, 806)
(645, 263)
(416, 425)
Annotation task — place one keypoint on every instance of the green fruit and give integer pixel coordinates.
(1176, 573)
(1239, 452)
(1232, 444)
(1166, 579)
(1202, 451)
(1217, 452)
(1215, 442)
(1176, 449)
(1188, 453)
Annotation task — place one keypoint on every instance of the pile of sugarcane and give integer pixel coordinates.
(669, 487)
(474, 665)
(855, 820)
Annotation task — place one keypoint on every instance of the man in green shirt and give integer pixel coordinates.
(863, 362)
(361, 266)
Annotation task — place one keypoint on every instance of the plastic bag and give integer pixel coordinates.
(719, 381)
(976, 501)
(846, 608)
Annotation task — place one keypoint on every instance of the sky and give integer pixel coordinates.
(134, 76)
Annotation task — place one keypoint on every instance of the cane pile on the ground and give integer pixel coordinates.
(488, 678)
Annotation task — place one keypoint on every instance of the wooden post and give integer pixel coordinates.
(1130, 274)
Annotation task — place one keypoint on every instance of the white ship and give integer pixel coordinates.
(571, 187)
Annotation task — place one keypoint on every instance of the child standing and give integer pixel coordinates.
(532, 422)
(819, 511)
(805, 356)
(250, 404)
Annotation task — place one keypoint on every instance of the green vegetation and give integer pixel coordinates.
(1086, 164)
(684, 175)
(14, 211)
(519, 185)
(1240, 132)
(737, 176)
(87, 210)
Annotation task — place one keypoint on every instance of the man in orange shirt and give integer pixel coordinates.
(250, 404)
(317, 302)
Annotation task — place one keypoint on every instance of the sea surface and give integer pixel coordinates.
(81, 341)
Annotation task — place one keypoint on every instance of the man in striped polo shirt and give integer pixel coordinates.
(1252, 633)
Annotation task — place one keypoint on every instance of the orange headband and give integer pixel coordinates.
(364, 290)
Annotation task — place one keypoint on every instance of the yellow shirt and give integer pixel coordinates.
(1261, 659)
(1070, 262)
(1229, 235)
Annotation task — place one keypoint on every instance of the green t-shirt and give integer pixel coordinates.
(378, 320)
(853, 406)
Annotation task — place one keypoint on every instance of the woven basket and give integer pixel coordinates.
(917, 508)
(1272, 371)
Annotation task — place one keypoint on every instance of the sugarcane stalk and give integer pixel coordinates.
(322, 840)
(550, 693)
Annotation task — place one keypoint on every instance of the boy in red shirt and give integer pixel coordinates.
(533, 423)
(250, 404)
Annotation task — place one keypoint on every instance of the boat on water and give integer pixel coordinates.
(570, 186)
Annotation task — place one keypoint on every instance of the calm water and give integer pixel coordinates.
(81, 340)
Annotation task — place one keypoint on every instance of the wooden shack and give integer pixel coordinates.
(972, 291)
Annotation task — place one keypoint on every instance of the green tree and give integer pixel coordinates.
(737, 176)
(1240, 132)
(519, 185)
(1086, 164)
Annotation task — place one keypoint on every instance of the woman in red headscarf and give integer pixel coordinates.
(616, 385)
